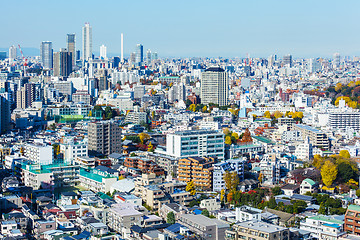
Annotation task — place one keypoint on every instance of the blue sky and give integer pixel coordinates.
(304, 28)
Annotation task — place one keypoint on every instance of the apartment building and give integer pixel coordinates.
(96, 180)
(104, 137)
(136, 117)
(206, 228)
(317, 138)
(324, 227)
(201, 143)
(344, 120)
(257, 230)
(73, 148)
(144, 165)
(168, 163)
(352, 223)
(196, 169)
(246, 213)
(73, 109)
(39, 153)
(234, 165)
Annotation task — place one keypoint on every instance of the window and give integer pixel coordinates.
(48, 226)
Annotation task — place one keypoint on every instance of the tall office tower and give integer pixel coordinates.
(12, 53)
(148, 56)
(155, 56)
(336, 60)
(132, 57)
(62, 63)
(86, 42)
(116, 61)
(104, 137)
(70, 40)
(25, 96)
(46, 54)
(104, 84)
(4, 112)
(139, 53)
(103, 52)
(287, 60)
(122, 48)
(214, 86)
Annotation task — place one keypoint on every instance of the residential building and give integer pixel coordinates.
(38, 153)
(246, 213)
(136, 117)
(96, 180)
(81, 97)
(257, 230)
(234, 165)
(317, 138)
(324, 227)
(144, 165)
(200, 143)
(196, 169)
(211, 204)
(25, 96)
(206, 228)
(104, 137)
(352, 224)
(62, 63)
(214, 86)
(344, 120)
(72, 148)
(308, 185)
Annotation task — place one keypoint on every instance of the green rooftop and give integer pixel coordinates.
(263, 139)
(354, 208)
(310, 181)
(36, 169)
(92, 176)
(327, 219)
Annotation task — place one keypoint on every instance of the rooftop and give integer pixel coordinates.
(261, 226)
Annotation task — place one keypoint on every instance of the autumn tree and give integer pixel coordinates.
(338, 87)
(267, 114)
(190, 187)
(222, 195)
(228, 140)
(260, 178)
(235, 135)
(231, 180)
(204, 109)
(328, 173)
(192, 107)
(144, 137)
(150, 147)
(278, 114)
(344, 153)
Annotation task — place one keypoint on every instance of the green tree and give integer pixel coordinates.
(170, 218)
(358, 193)
(276, 191)
(206, 213)
(322, 209)
(272, 203)
(345, 172)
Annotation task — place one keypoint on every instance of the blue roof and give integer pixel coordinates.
(197, 211)
(175, 228)
(333, 225)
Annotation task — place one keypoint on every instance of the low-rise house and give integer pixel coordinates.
(246, 213)
(42, 226)
(211, 204)
(7, 226)
(290, 189)
(308, 185)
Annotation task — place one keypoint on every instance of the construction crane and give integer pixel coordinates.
(24, 60)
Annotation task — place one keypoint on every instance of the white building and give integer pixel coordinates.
(323, 227)
(103, 52)
(235, 165)
(246, 213)
(214, 86)
(39, 153)
(200, 143)
(343, 120)
(87, 42)
(72, 148)
(304, 150)
(211, 204)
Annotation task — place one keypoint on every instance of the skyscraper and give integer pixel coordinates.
(122, 48)
(103, 52)
(70, 40)
(336, 60)
(148, 56)
(87, 42)
(214, 86)
(46, 54)
(287, 60)
(12, 53)
(139, 53)
(62, 63)
(25, 96)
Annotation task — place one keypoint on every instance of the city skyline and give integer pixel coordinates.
(300, 28)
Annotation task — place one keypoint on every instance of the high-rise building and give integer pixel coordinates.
(139, 54)
(287, 60)
(148, 56)
(46, 54)
(4, 112)
(87, 42)
(214, 86)
(336, 60)
(103, 52)
(155, 56)
(70, 40)
(62, 63)
(122, 48)
(104, 137)
(12, 53)
(2, 55)
(104, 84)
(132, 57)
(25, 96)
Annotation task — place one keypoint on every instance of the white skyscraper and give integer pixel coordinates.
(336, 61)
(103, 52)
(12, 53)
(214, 86)
(122, 47)
(87, 42)
(46, 54)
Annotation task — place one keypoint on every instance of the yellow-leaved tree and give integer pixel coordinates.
(338, 87)
(150, 147)
(228, 140)
(190, 188)
(267, 114)
(222, 194)
(235, 135)
(328, 173)
(278, 114)
(204, 109)
(143, 137)
(344, 153)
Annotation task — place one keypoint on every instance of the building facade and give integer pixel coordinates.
(214, 86)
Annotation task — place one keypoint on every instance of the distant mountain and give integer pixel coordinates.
(28, 52)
